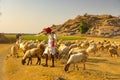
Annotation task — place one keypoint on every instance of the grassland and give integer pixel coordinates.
(32, 37)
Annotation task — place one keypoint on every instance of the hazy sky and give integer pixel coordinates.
(31, 16)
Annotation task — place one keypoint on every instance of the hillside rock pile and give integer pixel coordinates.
(99, 25)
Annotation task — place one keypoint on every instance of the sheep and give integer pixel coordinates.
(107, 46)
(14, 51)
(76, 58)
(92, 48)
(73, 46)
(63, 50)
(75, 51)
(33, 53)
(84, 44)
(113, 51)
(27, 45)
(31, 45)
(43, 42)
(100, 46)
(23, 46)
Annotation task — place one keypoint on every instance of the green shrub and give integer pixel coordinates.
(83, 28)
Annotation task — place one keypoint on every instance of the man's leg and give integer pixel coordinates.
(52, 56)
(46, 60)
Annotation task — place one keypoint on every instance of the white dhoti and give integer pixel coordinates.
(49, 50)
(51, 46)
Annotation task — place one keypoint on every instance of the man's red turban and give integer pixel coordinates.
(48, 30)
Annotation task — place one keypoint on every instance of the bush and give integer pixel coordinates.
(83, 28)
(4, 39)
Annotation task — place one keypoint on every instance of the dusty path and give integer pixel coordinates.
(3, 52)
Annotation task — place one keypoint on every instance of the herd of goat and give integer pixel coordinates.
(73, 51)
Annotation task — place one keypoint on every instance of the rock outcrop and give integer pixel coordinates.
(99, 25)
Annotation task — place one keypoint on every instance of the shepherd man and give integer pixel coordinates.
(50, 49)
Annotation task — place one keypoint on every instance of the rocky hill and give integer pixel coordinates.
(99, 25)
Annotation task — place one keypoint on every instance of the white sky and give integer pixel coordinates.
(31, 16)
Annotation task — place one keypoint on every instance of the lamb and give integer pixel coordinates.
(33, 53)
(76, 58)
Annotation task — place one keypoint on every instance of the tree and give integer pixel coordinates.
(83, 28)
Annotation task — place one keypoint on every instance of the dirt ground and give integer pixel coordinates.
(4, 49)
(97, 68)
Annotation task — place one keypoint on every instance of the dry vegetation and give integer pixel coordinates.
(103, 67)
